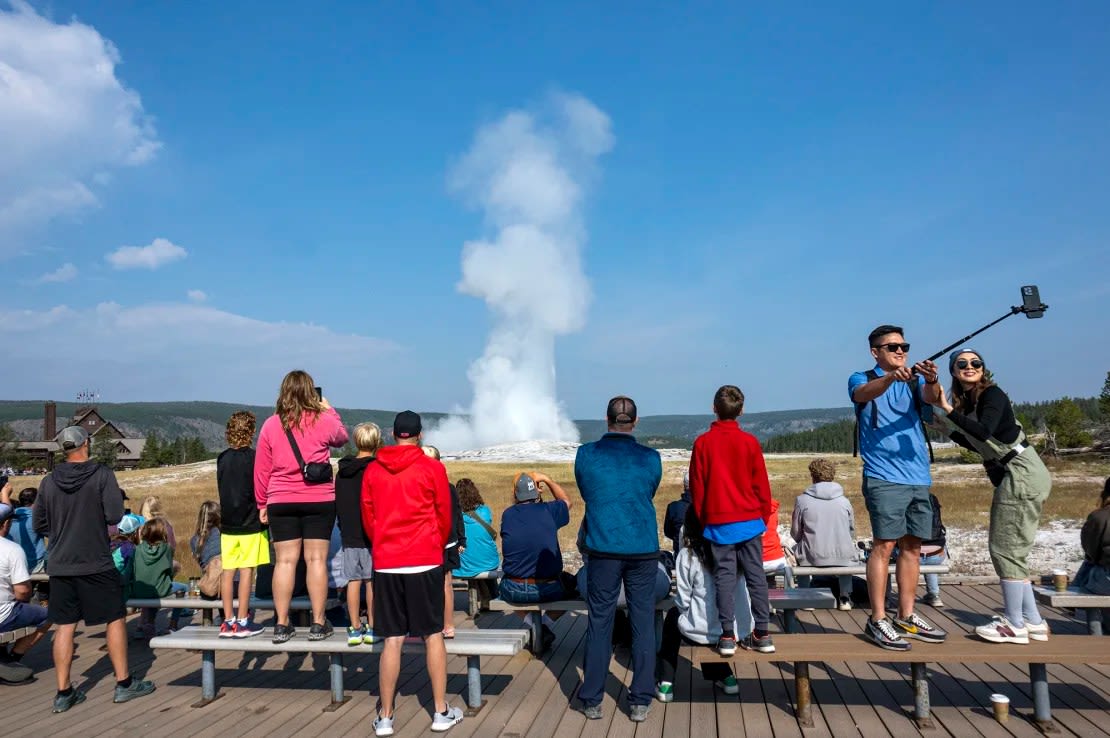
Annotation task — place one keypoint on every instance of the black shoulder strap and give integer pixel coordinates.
(478, 519)
(871, 375)
(918, 405)
(296, 449)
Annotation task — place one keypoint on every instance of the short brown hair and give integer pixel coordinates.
(154, 531)
(469, 496)
(240, 429)
(728, 403)
(822, 470)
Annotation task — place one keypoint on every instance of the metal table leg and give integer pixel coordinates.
(474, 701)
(790, 620)
(919, 674)
(1094, 621)
(802, 694)
(1042, 708)
(338, 699)
(537, 633)
(208, 693)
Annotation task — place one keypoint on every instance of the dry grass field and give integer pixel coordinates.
(962, 488)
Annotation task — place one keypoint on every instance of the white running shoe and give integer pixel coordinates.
(1001, 630)
(447, 719)
(383, 725)
(1038, 632)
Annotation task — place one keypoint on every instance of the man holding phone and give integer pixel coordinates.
(889, 399)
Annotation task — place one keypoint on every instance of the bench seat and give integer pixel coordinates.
(472, 643)
(208, 607)
(801, 649)
(11, 636)
(1092, 604)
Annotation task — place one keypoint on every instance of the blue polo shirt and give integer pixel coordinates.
(895, 450)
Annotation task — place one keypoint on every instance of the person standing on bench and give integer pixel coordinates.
(732, 498)
(76, 504)
(406, 513)
(357, 563)
(981, 418)
(889, 399)
(295, 494)
(618, 478)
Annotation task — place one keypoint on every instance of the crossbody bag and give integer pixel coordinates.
(489, 528)
(317, 472)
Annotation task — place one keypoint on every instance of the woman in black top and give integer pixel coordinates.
(980, 417)
(1094, 574)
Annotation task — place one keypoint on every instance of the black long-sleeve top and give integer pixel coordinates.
(994, 418)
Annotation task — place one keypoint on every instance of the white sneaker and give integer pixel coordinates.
(844, 604)
(1000, 630)
(1038, 632)
(383, 725)
(446, 720)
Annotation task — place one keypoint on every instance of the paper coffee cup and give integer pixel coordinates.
(1001, 705)
(1060, 579)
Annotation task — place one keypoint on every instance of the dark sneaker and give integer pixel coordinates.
(592, 712)
(13, 672)
(918, 627)
(884, 634)
(138, 688)
(726, 645)
(638, 713)
(932, 599)
(320, 631)
(248, 629)
(763, 644)
(283, 633)
(547, 638)
(63, 702)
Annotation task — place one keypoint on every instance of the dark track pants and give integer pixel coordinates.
(728, 560)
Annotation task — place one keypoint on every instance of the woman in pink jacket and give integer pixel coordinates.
(300, 513)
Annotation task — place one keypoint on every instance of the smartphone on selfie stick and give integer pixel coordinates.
(1031, 305)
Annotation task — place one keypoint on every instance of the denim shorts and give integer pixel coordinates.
(898, 510)
(24, 615)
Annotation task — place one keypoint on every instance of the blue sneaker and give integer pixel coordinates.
(248, 629)
(368, 636)
(354, 636)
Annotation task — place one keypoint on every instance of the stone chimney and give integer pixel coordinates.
(49, 421)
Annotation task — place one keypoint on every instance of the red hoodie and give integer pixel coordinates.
(406, 508)
(728, 477)
(772, 544)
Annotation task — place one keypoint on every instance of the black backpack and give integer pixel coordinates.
(939, 534)
(872, 375)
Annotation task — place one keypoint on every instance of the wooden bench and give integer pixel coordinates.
(801, 649)
(476, 598)
(470, 642)
(859, 570)
(11, 636)
(208, 607)
(1092, 604)
(786, 600)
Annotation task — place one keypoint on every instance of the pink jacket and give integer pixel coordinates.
(277, 476)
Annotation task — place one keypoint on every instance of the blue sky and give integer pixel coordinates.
(781, 180)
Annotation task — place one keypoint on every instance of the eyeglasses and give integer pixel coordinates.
(973, 363)
(892, 347)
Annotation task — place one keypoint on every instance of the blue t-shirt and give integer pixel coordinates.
(530, 540)
(728, 533)
(481, 550)
(894, 450)
(23, 533)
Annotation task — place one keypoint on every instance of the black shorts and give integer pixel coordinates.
(408, 604)
(94, 598)
(292, 520)
(451, 558)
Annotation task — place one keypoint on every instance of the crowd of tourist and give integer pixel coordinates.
(391, 529)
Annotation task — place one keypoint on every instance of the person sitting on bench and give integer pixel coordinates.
(1094, 573)
(824, 527)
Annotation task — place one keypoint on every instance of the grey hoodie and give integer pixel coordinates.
(76, 504)
(824, 527)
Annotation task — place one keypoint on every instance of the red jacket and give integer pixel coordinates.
(772, 544)
(406, 508)
(728, 477)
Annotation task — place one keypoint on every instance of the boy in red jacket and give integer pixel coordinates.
(406, 513)
(731, 495)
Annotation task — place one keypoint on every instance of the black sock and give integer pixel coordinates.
(124, 683)
(728, 634)
(758, 633)
(15, 657)
(65, 692)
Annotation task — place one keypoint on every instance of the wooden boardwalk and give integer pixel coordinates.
(283, 696)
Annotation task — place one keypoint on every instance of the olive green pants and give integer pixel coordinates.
(1016, 514)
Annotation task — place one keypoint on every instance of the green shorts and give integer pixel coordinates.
(244, 551)
(898, 510)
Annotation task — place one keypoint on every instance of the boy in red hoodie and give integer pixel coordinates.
(406, 513)
(731, 495)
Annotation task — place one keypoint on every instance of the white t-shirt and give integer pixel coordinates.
(13, 570)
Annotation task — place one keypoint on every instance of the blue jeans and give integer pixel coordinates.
(604, 579)
(1093, 578)
(520, 593)
(843, 581)
(932, 581)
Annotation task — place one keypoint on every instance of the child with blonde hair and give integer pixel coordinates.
(356, 561)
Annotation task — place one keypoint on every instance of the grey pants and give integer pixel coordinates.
(728, 560)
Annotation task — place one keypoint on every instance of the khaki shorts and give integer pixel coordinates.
(245, 551)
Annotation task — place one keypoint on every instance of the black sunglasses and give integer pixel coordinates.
(892, 347)
(973, 363)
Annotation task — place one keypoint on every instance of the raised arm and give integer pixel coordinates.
(556, 489)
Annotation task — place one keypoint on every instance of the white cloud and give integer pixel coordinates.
(157, 253)
(64, 273)
(527, 171)
(197, 295)
(66, 120)
(184, 351)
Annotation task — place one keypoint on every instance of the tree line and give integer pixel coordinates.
(181, 450)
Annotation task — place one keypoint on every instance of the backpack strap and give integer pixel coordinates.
(871, 375)
(919, 405)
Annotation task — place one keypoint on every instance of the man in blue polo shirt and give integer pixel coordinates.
(889, 399)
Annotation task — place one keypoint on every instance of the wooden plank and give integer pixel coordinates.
(559, 702)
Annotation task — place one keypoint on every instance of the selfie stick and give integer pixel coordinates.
(1031, 306)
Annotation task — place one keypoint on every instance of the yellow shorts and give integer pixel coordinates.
(244, 551)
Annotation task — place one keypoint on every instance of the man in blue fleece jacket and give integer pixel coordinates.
(618, 478)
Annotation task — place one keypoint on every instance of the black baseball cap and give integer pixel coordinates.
(406, 425)
(621, 411)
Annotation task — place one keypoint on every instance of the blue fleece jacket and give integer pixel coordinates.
(617, 478)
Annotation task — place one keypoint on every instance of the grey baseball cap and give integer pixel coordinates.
(526, 489)
(72, 437)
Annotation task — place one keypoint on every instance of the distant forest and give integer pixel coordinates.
(838, 437)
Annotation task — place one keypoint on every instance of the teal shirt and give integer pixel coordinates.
(617, 478)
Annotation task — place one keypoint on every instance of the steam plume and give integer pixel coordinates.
(527, 172)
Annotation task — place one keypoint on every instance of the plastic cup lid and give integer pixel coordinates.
(999, 698)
